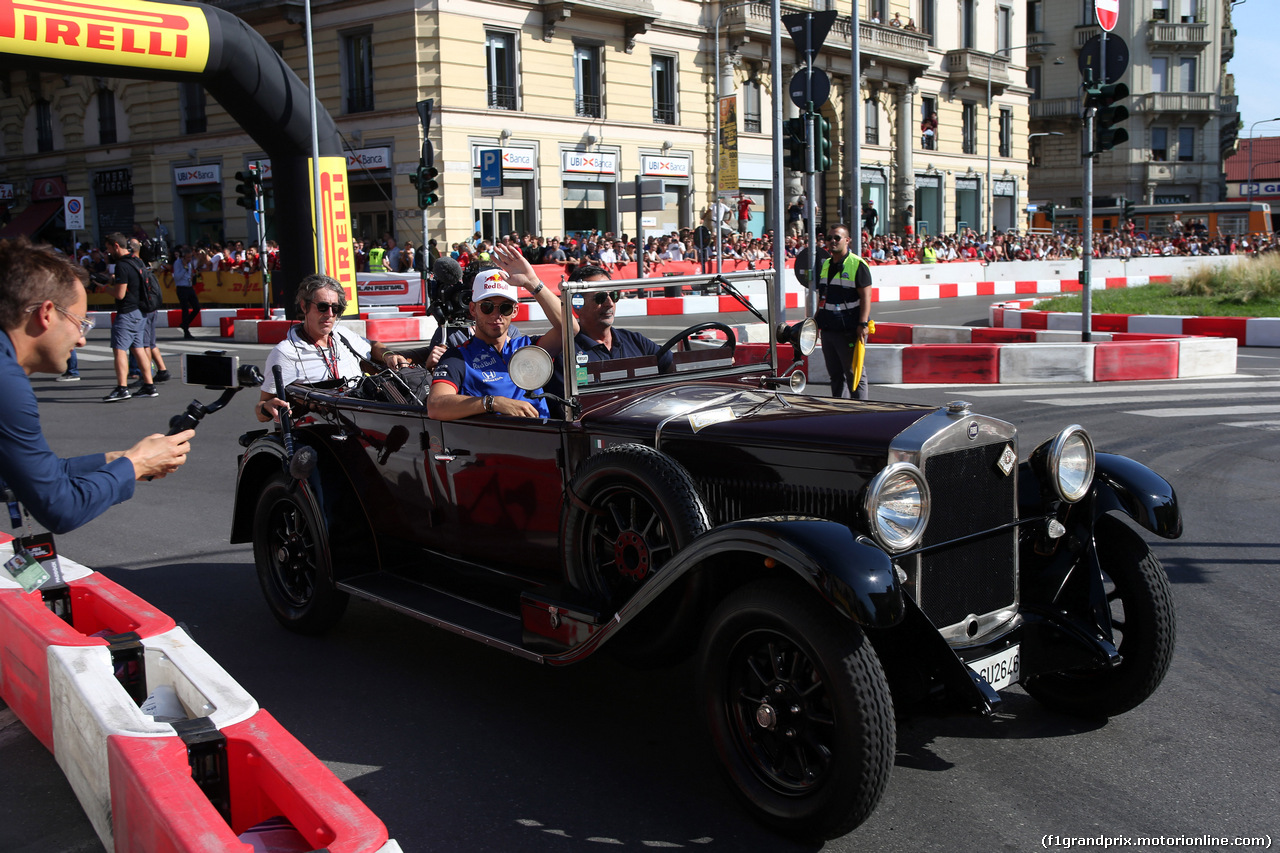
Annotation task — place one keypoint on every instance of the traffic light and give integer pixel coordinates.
(796, 145)
(1050, 213)
(1103, 97)
(428, 187)
(249, 189)
(822, 134)
(1127, 210)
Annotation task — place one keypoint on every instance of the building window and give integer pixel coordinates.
(929, 18)
(1159, 10)
(664, 89)
(1034, 81)
(1159, 74)
(751, 105)
(1187, 74)
(191, 100)
(1004, 30)
(357, 71)
(1035, 16)
(1159, 143)
(968, 36)
(929, 124)
(106, 117)
(970, 129)
(1186, 143)
(1006, 133)
(44, 126)
(877, 10)
(871, 113)
(500, 54)
(1193, 14)
(586, 81)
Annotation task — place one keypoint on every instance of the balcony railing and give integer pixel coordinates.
(751, 123)
(1177, 102)
(502, 97)
(971, 67)
(881, 42)
(359, 99)
(664, 112)
(1161, 34)
(1084, 32)
(1044, 108)
(587, 106)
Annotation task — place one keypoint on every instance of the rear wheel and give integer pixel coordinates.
(291, 550)
(1143, 624)
(798, 709)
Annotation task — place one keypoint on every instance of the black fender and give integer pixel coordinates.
(265, 456)
(851, 573)
(1134, 489)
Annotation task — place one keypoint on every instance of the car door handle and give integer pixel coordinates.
(448, 455)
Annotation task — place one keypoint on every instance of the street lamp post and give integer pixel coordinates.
(1008, 51)
(1251, 127)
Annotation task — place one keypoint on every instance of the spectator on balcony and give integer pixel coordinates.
(911, 25)
(929, 131)
(897, 20)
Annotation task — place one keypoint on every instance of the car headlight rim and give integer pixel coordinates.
(1072, 461)
(891, 528)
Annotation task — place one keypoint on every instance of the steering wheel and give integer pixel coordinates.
(731, 342)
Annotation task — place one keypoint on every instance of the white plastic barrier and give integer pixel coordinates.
(89, 704)
(1046, 363)
(1206, 357)
(1262, 332)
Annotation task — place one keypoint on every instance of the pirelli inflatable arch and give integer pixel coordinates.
(198, 43)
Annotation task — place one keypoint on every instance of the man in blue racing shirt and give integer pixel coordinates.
(473, 379)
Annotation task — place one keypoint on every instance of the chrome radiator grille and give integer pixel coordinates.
(970, 494)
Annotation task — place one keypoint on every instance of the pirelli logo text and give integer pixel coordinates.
(131, 33)
(339, 260)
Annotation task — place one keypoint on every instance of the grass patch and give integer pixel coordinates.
(1249, 289)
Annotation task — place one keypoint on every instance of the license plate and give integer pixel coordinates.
(1002, 669)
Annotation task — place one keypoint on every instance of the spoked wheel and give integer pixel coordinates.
(291, 549)
(798, 709)
(629, 510)
(1143, 625)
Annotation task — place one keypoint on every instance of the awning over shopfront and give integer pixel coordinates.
(29, 222)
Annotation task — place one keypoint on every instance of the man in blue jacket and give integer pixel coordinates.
(42, 319)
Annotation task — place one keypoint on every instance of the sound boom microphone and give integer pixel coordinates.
(447, 272)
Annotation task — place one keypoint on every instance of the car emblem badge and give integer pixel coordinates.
(1007, 461)
(582, 358)
(973, 430)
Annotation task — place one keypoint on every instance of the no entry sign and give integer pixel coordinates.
(1108, 13)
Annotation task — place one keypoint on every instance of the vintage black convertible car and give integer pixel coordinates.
(832, 563)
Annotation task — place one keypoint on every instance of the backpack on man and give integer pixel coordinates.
(150, 296)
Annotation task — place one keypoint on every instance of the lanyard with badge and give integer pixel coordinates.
(28, 551)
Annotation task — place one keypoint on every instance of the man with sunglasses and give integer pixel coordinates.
(472, 379)
(844, 312)
(42, 319)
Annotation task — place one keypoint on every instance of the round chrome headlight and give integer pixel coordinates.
(1070, 460)
(897, 506)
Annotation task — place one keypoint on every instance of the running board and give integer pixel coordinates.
(435, 607)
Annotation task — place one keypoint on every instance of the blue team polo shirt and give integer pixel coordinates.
(477, 368)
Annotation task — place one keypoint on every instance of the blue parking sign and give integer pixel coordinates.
(491, 172)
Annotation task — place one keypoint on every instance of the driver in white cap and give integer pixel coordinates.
(472, 379)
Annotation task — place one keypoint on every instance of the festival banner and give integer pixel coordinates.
(729, 145)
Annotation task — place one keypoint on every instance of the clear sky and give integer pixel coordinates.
(1256, 65)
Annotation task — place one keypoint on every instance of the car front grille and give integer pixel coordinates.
(970, 494)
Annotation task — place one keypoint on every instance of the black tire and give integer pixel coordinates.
(1143, 623)
(630, 508)
(798, 710)
(295, 569)
(628, 511)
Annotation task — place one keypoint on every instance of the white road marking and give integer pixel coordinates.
(1208, 412)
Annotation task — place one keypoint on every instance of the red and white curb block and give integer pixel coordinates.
(67, 674)
(901, 353)
(1247, 331)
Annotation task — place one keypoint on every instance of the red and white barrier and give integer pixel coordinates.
(1247, 331)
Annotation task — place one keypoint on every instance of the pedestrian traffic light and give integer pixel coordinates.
(428, 187)
(796, 145)
(1102, 97)
(249, 189)
(822, 135)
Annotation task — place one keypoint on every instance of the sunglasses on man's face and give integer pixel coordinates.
(613, 295)
(328, 307)
(504, 308)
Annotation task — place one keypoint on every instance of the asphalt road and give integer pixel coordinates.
(460, 748)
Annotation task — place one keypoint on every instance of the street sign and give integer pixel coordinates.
(800, 90)
(491, 172)
(627, 203)
(1108, 12)
(1091, 59)
(73, 212)
(645, 186)
(809, 30)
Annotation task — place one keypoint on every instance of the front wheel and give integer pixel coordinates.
(1143, 624)
(798, 710)
(291, 550)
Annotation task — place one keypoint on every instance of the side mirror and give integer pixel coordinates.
(531, 368)
(803, 335)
